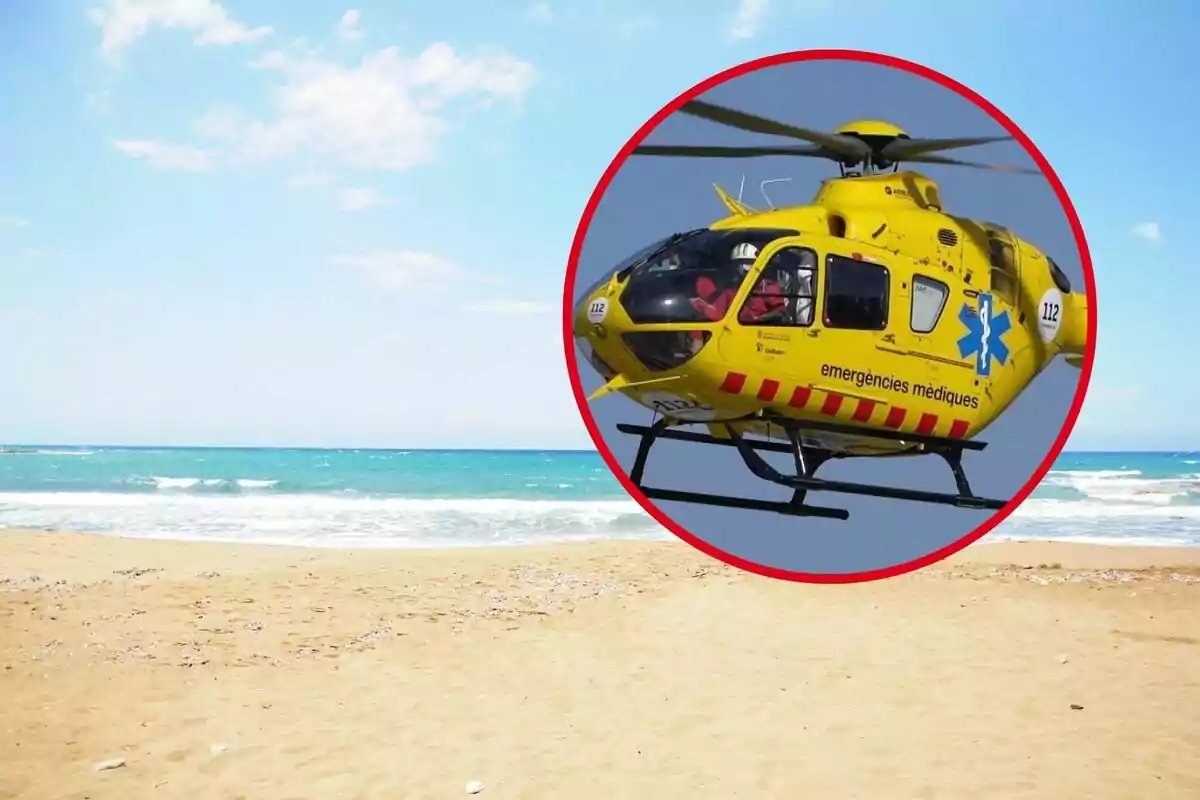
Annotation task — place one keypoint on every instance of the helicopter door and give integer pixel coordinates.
(856, 315)
(930, 336)
(775, 308)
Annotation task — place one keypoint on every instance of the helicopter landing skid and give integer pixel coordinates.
(808, 460)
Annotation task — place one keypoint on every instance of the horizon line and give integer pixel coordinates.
(330, 448)
(444, 449)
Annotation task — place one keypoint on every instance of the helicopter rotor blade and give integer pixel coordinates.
(843, 146)
(704, 151)
(954, 162)
(905, 149)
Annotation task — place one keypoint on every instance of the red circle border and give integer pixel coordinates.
(573, 367)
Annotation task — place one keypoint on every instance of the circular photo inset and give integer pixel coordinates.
(829, 316)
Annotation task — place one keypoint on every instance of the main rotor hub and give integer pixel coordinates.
(876, 135)
(864, 128)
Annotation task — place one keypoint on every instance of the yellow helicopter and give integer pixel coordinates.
(869, 323)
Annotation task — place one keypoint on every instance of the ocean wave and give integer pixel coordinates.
(213, 484)
(1049, 508)
(1119, 486)
(329, 520)
(1115, 506)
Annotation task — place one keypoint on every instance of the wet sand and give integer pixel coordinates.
(597, 670)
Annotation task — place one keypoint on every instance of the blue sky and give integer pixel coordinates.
(311, 224)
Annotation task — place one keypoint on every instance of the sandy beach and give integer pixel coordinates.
(598, 670)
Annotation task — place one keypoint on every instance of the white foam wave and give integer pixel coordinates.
(1081, 509)
(1104, 521)
(329, 520)
(175, 483)
(183, 484)
(255, 483)
(1126, 486)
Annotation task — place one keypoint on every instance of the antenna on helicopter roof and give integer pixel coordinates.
(762, 187)
(741, 188)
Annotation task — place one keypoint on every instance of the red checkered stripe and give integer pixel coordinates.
(839, 405)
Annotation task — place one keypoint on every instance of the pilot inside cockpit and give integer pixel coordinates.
(715, 289)
(768, 300)
(784, 292)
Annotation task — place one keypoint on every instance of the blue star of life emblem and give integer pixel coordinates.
(985, 335)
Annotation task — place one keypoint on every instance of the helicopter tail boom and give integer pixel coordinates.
(1075, 326)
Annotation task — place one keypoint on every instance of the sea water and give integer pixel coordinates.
(1141, 499)
(338, 498)
(422, 498)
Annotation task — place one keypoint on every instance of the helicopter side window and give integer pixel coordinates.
(856, 294)
(785, 292)
(928, 301)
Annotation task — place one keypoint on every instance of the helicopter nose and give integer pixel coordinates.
(592, 314)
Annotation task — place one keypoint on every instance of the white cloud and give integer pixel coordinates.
(747, 18)
(220, 122)
(386, 113)
(306, 179)
(347, 27)
(402, 269)
(360, 199)
(14, 222)
(348, 198)
(540, 13)
(165, 156)
(122, 22)
(1148, 230)
(509, 307)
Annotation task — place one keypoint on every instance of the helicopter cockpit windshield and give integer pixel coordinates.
(624, 265)
(628, 262)
(695, 278)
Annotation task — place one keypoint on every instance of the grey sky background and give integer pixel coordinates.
(652, 197)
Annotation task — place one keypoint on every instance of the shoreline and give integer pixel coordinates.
(1181, 553)
(600, 669)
